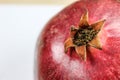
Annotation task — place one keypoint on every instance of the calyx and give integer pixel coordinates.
(84, 35)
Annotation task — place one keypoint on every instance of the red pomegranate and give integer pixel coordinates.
(82, 42)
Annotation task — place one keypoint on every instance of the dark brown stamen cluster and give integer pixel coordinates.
(84, 35)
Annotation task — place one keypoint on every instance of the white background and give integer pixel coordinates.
(20, 26)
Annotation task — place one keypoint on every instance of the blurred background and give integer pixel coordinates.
(48, 2)
(21, 22)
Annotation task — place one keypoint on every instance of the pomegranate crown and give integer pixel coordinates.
(83, 36)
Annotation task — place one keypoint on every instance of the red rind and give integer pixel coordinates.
(54, 64)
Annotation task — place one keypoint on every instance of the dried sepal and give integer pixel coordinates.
(81, 51)
(73, 31)
(98, 25)
(84, 20)
(68, 43)
(95, 43)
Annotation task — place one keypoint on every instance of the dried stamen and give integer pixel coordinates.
(83, 36)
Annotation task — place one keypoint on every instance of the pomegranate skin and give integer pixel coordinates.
(54, 64)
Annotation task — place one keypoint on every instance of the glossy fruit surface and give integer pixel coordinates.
(55, 64)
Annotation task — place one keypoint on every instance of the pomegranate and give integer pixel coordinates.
(82, 42)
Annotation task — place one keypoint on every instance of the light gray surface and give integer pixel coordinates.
(20, 26)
